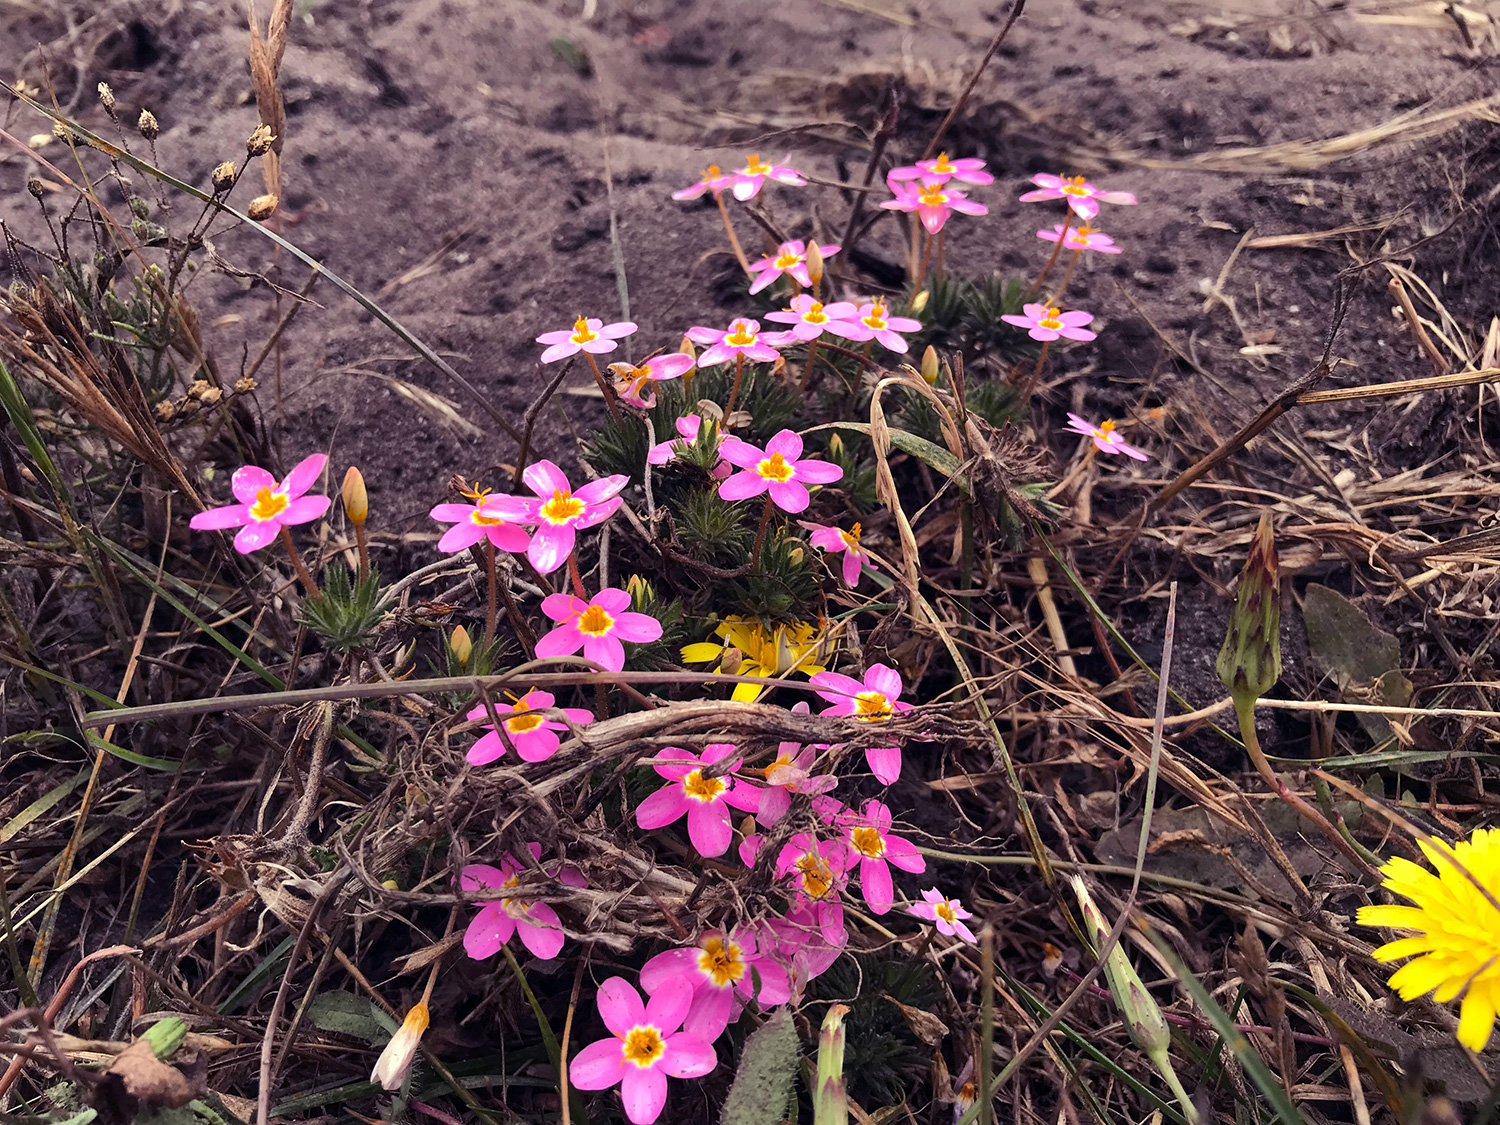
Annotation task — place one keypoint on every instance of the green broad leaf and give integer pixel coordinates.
(928, 452)
(347, 1014)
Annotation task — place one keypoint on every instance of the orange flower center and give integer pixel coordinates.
(868, 842)
(644, 1046)
(1051, 320)
(876, 317)
(1107, 430)
(521, 724)
(851, 538)
(782, 760)
(944, 910)
(775, 468)
(815, 314)
(1076, 186)
(721, 962)
(754, 166)
(581, 332)
(711, 173)
(562, 508)
(741, 337)
(786, 260)
(933, 196)
(268, 505)
(872, 706)
(595, 622)
(815, 876)
(479, 519)
(700, 788)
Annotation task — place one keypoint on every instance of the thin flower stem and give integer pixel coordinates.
(812, 353)
(760, 532)
(1067, 277)
(734, 391)
(291, 549)
(609, 392)
(926, 258)
(1036, 286)
(364, 549)
(575, 576)
(940, 246)
(489, 613)
(911, 257)
(734, 240)
(1036, 372)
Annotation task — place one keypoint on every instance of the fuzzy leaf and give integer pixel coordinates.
(762, 1088)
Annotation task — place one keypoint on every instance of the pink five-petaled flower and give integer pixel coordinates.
(705, 801)
(873, 701)
(1043, 323)
(790, 772)
(800, 945)
(597, 626)
(589, 334)
(637, 384)
(819, 871)
(883, 327)
(714, 180)
(833, 540)
(870, 839)
(1083, 197)
(947, 913)
(750, 178)
(791, 259)
(968, 169)
(777, 468)
(538, 924)
(560, 513)
(932, 200)
(810, 319)
(1107, 439)
(688, 428)
(534, 736)
(265, 506)
(1080, 238)
(721, 970)
(485, 519)
(743, 337)
(644, 1048)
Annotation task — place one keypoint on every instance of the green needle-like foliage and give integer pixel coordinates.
(345, 612)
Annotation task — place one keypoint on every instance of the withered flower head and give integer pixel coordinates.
(1250, 661)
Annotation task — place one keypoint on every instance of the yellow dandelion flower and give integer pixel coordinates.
(763, 652)
(1455, 947)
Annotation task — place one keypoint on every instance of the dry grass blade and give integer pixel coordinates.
(265, 75)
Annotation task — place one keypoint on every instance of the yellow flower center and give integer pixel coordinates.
(941, 164)
(1050, 320)
(644, 1046)
(815, 313)
(868, 842)
(562, 508)
(523, 723)
(741, 337)
(851, 538)
(637, 380)
(268, 505)
(944, 910)
(700, 788)
(933, 196)
(754, 166)
(1082, 233)
(786, 260)
(775, 468)
(581, 333)
(479, 519)
(876, 317)
(721, 962)
(1076, 186)
(815, 875)
(711, 173)
(595, 622)
(872, 706)
(781, 761)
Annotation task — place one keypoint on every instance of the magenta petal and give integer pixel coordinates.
(219, 519)
(672, 965)
(669, 1003)
(304, 509)
(741, 453)
(708, 828)
(533, 745)
(508, 537)
(841, 688)
(613, 599)
(689, 1056)
(884, 763)
(853, 562)
(640, 628)
(486, 750)
(607, 652)
(305, 475)
(742, 486)
(904, 855)
(490, 929)
(559, 351)
(718, 353)
(605, 488)
(620, 1006)
(819, 472)
(481, 877)
(644, 1093)
(254, 536)
(560, 607)
(544, 478)
(884, 679)
(789, 495)
(598, 1066)
(248, 480)
(875, 881)
(662, 807)
(710, 1014)
(551, 546)
(565, 640)
(788, 443)
(541, 931)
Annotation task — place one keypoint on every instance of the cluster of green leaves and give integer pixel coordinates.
(965, 316)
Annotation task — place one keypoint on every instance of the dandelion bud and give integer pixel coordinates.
(393, 1063)
(147, 125)
(930, 365)
(262, 207)
(830, 1098)
(36, 187)
(1250, 661)
(107, 99)
(730, 662)
(260, 141)
(814, 262)
(460, 646)
(223, 176)
(356, 500)
(919, 302)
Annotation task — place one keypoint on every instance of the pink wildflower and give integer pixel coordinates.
(750, 178)
(1107, 439)
(560, 513)
(932, 200)
(743, 337)
(967, 169)
(1043, 323)
(833, 540)
(883, 327)
(489, 518)
(777, 468)
(947, 913)
(644, 1048)
(1080, 238)
(264, 506)
(538, 924)
(810, 319)
(790, 772)
(688, 427)
(791, 259)
(637, 384)
(1083, 197)
(721, 969)
(597, 626)
(873, 701)
(714, 180)
(819, 871)
(869, 838)
(705, 801)
(801, 946)
(589, 334)
(534, 736)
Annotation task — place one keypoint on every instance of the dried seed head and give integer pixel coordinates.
(223, 176)
(147, 125)
(260, 141)
(165, 410)
(211, 396)
(37, 188)
(814, 262)
(138, 207)
(244, 384)
(930, 365)
(262, 207)
(107, 99)
(199, 388)
(62, 133)
(460, 645)
(356, 499)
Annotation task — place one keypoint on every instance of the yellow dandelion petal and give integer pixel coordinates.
(747, 693)
(1477, 1015)
(701, 653)
(1396, 917)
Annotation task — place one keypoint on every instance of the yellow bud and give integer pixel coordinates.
(814, 262)
(262, 207)
(460, 646)
(391, 885)
(836, 447)
(147, 125)
(390, 1069)
(919, 302)
(356, 499)
(688, 349)
(730, 662)
(930, 365)
(796, 556)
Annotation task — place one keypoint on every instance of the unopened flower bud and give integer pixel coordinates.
(262, 207)
(390, 884)
(36, 187)
(930, 365)
(919, 302)
(836, 447)
(641, 592)
(138, 207)
(356, 499)
(223, 176)
(260, 141)
(460, 645)
(1250, 661)
(830, 1098)
(107, 99)
(795, 557)
(393, 1063)
(165, 1036)
(147, 125)
(730, 662)
(814, 263)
